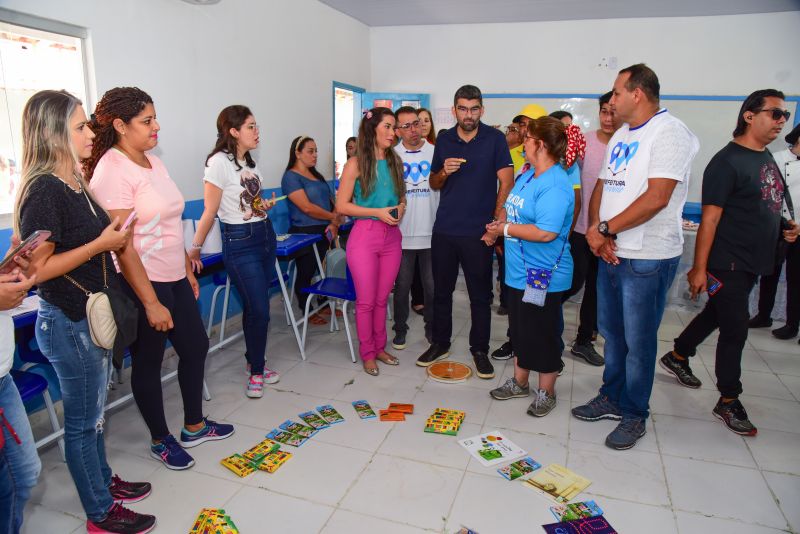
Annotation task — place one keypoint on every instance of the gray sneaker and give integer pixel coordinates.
(597, 408)
(588, 353)
(543, 404)
(626, 434)
(510, 390)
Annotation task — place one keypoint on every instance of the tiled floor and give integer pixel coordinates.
(688, 474)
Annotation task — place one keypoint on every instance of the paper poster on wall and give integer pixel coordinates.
(443, 118)
(382, 104)
(411, 103)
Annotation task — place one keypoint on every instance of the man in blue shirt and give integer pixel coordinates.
(468, 162)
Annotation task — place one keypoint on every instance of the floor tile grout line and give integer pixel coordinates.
(769, 488)
(654, 418)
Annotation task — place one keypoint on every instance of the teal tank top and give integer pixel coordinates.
(383, 194)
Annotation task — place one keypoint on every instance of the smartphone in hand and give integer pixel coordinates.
(34, 240)
(394, 213)
(713, 285)
(329, 235)
(128, 221)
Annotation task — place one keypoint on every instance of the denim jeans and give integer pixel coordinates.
(84, 371)
(248, 251)
(19, 463)
(630, 303)
(402, 287)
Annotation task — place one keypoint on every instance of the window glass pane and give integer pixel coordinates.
(30, 60)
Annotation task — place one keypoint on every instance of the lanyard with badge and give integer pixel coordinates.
(537, 281)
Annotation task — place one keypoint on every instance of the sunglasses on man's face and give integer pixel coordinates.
(777, 113)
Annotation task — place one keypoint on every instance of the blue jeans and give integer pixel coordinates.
(249, 254)
(19, 463)
(630, 303)
(84, 371)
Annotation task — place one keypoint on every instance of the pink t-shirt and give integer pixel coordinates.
(120, 184)
(590, 172)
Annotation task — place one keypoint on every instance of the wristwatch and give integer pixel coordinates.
(602, 228)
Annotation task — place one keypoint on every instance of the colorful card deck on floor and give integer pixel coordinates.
(444, 421)
(271, 462)
(287, 438)
(313, 420)
(389, 415)
(213, 521)
(520, 468)
(363, 409)
(576, 510)
(402, 408)
(329, 413)
(238, 464)
(257, 453)
(298, 428)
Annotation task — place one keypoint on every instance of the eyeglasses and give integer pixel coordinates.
(471, 111)
(408, 126)
(777, 113)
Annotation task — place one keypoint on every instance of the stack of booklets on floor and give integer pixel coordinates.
(557, 483)
(492, 448)
(264, 456)
(591, 525)
(213, 521)
(445, 421)
(396, 412)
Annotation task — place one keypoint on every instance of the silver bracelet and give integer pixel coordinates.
(505, 230)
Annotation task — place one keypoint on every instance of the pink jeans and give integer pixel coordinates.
(373, 256)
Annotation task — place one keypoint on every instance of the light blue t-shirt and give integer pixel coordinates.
(318, 192)
(547, 202)
(383, 194)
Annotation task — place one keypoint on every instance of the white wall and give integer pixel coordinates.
(279, 57)
(727, 55)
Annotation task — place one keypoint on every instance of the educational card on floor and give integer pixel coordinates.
(520, 468)
(492, 448)
(557, 483)
(593, 525)
(576, 510)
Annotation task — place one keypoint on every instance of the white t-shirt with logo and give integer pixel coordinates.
(241, 189)
(662, 147)
(422, 201)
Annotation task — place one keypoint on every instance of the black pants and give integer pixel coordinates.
(727, 310)
(475, 258)
(190, 341)
(417, 289)
(501, 273)
(584, 272)
(769, 287)
(306, 264)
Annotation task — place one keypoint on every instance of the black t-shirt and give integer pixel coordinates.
(52, 205)
(747, 185)
(468, 198)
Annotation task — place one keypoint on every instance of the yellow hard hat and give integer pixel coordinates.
(532, 111)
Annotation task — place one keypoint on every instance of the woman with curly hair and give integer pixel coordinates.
(157, 273)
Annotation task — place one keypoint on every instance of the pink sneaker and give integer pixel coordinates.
(270, 376)
(255, 386)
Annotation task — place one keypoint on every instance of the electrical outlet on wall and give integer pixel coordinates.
(609, 62)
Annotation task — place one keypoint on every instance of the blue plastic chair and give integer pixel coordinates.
(31, 385)
(338, 290)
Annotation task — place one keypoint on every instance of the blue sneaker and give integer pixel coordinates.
(597, 408)
(172, 454)
(213, 431)
(626, 434)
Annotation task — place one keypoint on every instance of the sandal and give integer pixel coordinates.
(388, 359)
(372, 371)
(327, 311)
(317, 320)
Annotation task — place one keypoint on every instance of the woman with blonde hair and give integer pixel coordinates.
(73, 261)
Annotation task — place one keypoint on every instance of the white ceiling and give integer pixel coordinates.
(422, 12)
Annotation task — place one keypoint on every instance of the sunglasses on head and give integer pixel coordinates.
(777, 113)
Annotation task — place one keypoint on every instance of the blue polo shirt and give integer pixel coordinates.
(467, 200)
(547, 202)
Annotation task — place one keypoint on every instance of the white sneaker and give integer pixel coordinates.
(270, 376)
(255, 386)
